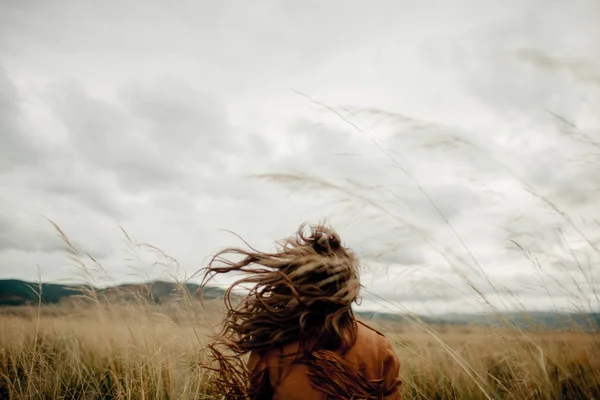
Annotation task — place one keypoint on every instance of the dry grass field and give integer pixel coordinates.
(101, 349)
(175, 119)
(148, 351)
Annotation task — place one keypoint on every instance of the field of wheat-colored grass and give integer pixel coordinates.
(107, 349)
(147, 351)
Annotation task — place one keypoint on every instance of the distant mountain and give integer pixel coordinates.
(534, 319)
(14, 292)
(161, 291)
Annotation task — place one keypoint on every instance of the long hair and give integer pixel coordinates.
(302, 293)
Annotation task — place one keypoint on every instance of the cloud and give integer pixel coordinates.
(17, 147)
(22, 234)
(581, 70)
(426, 130)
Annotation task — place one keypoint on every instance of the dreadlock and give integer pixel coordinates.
(302, 290)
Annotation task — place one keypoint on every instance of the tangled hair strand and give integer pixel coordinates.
(302, 293)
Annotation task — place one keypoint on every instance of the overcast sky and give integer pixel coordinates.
(450, 143)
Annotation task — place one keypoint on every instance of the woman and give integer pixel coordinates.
(298, 327)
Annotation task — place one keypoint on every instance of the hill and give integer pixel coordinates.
(528, 320)
(14, 292)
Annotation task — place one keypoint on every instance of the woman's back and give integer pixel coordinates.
(373, 360)
(303, 292)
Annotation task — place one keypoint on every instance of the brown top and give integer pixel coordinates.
(372, 356)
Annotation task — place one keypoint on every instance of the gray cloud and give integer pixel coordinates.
(22, 234)
(17, 147)
(153, 118)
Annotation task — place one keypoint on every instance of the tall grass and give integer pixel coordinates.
(100, 347)
(105, 352)
(149, 351)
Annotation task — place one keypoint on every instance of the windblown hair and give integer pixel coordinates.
(302, 293)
